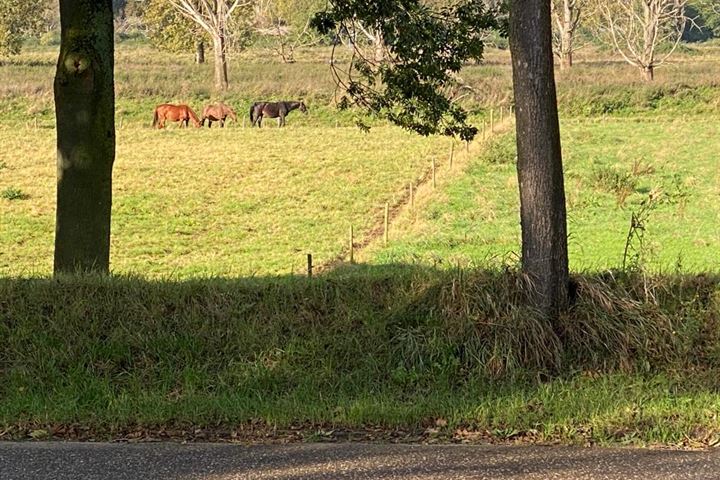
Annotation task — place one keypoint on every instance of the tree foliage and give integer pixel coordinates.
(427, 46)
(18, 18)
(168, 29)
(705, 16)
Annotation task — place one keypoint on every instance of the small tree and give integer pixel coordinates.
(427, 47)
(638, 28)
(216, 18)
(567, 15)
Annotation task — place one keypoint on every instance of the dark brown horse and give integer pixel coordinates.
(217, 113)
(277, 110)
(174, 113)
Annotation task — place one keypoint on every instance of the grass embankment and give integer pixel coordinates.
(433, 354)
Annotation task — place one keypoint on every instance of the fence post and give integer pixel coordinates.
(433, 172)
(387, 215)
(352, 245)
(309, 265)
(452, 153)
(492, 121)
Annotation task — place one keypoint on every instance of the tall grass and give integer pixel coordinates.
(390, 346)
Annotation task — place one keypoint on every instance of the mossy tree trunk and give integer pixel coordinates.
(540, 172)
(85, 113)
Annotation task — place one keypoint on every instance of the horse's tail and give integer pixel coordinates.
(156, 118)
(252, 113)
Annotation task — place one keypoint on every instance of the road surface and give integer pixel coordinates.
(340, 461)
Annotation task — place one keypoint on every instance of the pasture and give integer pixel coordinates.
(240, 202)
(666, 166)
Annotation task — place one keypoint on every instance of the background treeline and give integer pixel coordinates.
(282, 24)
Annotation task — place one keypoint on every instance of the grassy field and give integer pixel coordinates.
(427, 339)
(231, 202)
(613, 167)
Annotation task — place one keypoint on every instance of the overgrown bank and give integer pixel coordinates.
(636, 359)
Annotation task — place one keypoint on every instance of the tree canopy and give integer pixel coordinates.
(427, 45)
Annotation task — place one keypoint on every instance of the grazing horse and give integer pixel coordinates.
(174, 113)
(277, 110)
(217, 113)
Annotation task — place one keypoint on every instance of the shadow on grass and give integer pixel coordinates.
(395, 347)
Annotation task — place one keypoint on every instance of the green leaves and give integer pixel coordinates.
(425, 47)
(17, 18)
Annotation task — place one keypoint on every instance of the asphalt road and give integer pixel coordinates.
(153, 461)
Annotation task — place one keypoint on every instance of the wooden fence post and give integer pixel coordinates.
(352, 245)
(387, 215)
(452, 153)
(433, 173)
(309, 265)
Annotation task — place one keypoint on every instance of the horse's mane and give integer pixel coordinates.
(192, 114)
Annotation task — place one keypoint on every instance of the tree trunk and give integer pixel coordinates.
(379, 44)
(200, 52)
(85, 113)
(648, 73)
(221, 75)
(566, 60)
(566, 49)
(540, 172)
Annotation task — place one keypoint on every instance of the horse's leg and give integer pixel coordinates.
(222, 122)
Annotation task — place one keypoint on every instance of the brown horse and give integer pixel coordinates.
(217, 113)
(277, 110)
(174, 113)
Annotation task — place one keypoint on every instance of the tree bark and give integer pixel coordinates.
(379, 46)
(566, 49)
(540, 171)
(85, 114)
(221, 71)
(566, 60)
(200, 52)
(648, 73)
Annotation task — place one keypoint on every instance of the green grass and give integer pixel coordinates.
(611, 167)
(228, 202)
(634, 361)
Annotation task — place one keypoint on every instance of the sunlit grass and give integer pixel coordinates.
(474, 220)
(227, 201)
